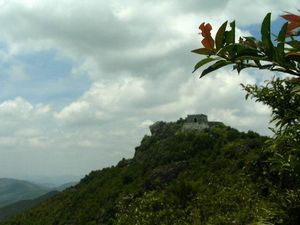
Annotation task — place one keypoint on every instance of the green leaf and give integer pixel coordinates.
(293, 56)
(220, 36)
(247, 96)
(242, 50)
(239, 66)
(282, 33)
(226, 52)
(232, 51)
(232, 25)
(265, 29)
(280, 46)
(257, 62)
(250, 42)
(295, 44)
(249, 57)
(230, 35)
(203, 62)
(266, 35)
(215, 66)
(296, 89)
(202, 51)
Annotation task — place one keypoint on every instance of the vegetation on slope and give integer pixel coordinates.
(12, 209)
(175, 177)
(280, 53)
(21, 206)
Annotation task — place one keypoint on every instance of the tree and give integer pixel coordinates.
(279, 54)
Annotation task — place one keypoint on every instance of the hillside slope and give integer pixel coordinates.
(10, 210)
(12, 190)
(21, 206)
(175, 177)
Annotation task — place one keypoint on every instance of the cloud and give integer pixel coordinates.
(21, 124)
(111, 68)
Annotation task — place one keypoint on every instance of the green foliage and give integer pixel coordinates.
(282, 153)
(21, 206)
(175, 177)
(249, 52)
(276, 167)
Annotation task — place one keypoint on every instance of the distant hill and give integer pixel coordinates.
(64, 186)
(52, 181)
(12, 190)
(21, 206)
(175, 177)
(9, 210)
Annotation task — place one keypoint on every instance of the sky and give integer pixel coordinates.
(81, 81)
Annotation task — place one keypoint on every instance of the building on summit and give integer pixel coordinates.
(196, 122)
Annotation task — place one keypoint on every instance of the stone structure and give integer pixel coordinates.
(196, 122)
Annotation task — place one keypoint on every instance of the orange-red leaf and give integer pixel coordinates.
(293, 26)
(294, 22)
(293, 54)
(208, 41)
(291, 17)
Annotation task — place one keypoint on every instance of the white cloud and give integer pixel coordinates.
(137, 56)
(16, 108)
(73, 110)
(244, 11)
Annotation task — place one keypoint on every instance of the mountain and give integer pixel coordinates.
(12, 190)
(52, 181)
(64, 186)
(21, 206)
(177, 176)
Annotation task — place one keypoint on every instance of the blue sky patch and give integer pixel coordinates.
(41, 77)
(254, 29)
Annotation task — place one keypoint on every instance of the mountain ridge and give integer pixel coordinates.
(16, 206)
(170, 180)
(13, 190)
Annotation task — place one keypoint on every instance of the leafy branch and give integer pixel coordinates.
(281, 54)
